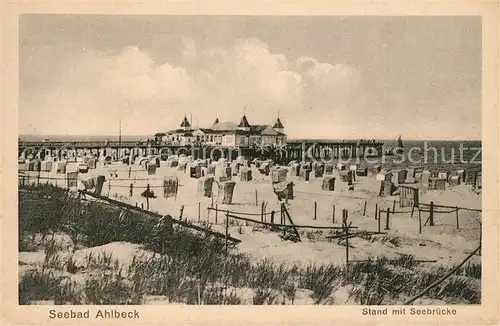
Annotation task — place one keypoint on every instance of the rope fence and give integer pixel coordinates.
(442, 279)
(454, 207)
(240, 213)
(337, 195)
(284, 225)
(379, 214)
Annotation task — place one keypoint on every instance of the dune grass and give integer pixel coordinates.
(190, 267)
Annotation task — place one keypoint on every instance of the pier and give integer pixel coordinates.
(294, 150)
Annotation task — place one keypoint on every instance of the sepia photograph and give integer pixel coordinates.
(250, 160)
(232, 164)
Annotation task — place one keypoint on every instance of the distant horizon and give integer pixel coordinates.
(141, 137)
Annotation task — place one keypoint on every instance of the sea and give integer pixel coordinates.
(433, 154)
(438, 154)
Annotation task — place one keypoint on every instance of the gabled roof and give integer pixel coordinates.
(185, 123)
(244, 123)
(231, 127)
(226, 126)
(175, 131)
(204, 130)
(262, 130)
(257, 129)
(278, 124)
(265, 130)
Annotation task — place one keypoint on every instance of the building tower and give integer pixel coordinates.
(185, 125)
(278, 125)
(244, 125)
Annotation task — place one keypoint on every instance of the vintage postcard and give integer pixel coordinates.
(184, 163)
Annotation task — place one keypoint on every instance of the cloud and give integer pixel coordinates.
(247, 75)
(128, 85)
(150, 94)
(133, 76)
(73, 90)
(330, 83)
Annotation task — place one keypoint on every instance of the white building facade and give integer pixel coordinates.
(226, 134)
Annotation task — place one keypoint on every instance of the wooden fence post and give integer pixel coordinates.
(216, 212)
(226, 252)
(181, 213)
(262, 212)
(333, 213)
(265, 211)
(131, 192)
(25, 183)
(456, 212)
(142, 205)
(346, 239)
(346, 230)
(419, 222)
(227, 231)
(431, 216)
(376, 211)
(480, 236)
(378, 221)
(199, 212)
(256, 198)
(387, 219)
(283, 219)
(412, 210)
(147, 197)
(272, 217)
(393, 207)
(315, 210)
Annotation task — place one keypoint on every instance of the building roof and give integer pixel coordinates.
(265, 130)
(244, 123)
(260, 130)
(278, 124)
(257, 128)
(185, 123)
(231, 127)
(175, 131)
(225, 126)
(205, 130)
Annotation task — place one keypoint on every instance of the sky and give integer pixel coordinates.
(326, 76)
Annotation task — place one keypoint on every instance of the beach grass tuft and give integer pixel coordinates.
(187, 266)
